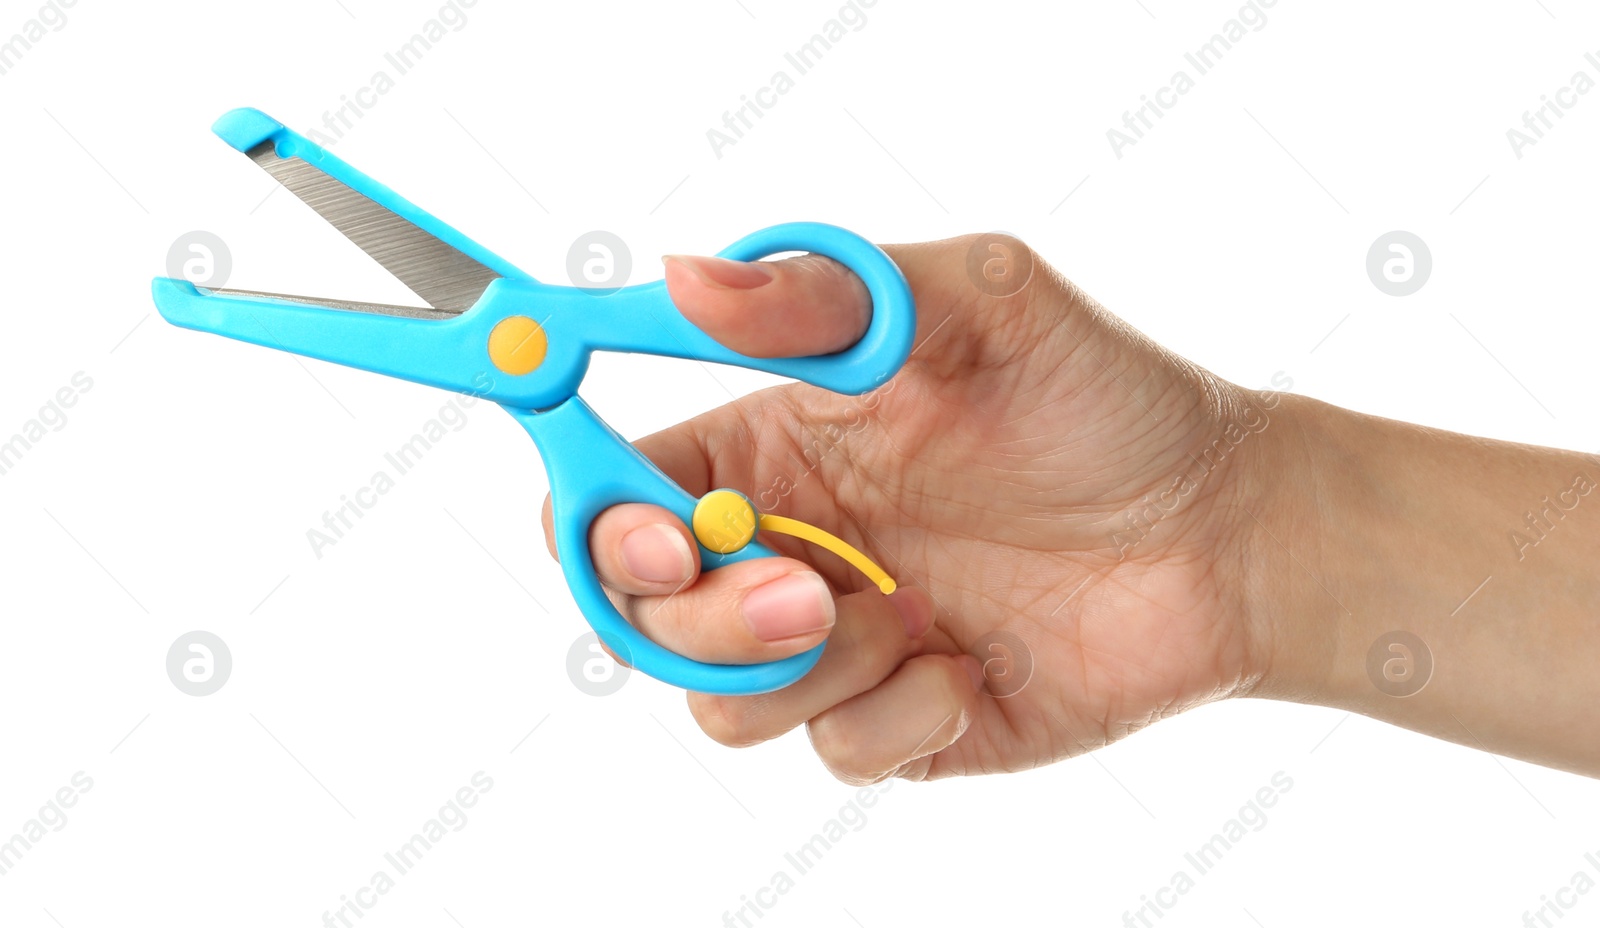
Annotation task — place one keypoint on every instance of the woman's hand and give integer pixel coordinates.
(1055, 494)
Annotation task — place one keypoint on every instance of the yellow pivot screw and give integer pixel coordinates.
(517, 345)
(725, 521)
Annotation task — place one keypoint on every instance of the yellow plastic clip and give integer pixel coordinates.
(725, 521)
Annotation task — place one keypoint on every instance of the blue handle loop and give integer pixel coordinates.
(592, 468)
(642, 318)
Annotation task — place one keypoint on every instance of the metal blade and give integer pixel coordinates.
(385, 309)
(442, 276)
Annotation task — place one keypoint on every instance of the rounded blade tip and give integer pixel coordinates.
(245, 128)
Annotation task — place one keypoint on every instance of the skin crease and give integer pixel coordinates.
(992, 476)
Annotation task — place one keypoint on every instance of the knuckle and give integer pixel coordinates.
(871, 657)
(725, 720)
(887, 627)
(998, 264)
(961, 244)
(830, 272)
(955, 691)
(840, 751)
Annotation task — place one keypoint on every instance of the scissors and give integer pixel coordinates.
(491, 330)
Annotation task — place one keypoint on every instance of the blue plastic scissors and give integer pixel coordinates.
(488, 322)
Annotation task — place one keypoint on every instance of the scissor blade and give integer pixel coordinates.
(444, 277)
(384, 309)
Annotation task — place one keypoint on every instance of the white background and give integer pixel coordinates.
(370, 684)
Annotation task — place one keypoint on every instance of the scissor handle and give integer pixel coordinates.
(592, 468)
(643, 319)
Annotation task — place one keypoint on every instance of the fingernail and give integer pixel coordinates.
(974, 671)
(915, 612)
(797, 604)
(657, 553)
(723, 274)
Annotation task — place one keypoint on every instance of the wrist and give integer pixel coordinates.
(1293, 525)
(1358, 527)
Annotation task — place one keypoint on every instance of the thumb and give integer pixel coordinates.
(811, 304)
(771, 309)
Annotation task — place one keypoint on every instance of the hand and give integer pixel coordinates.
(1049, 487)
